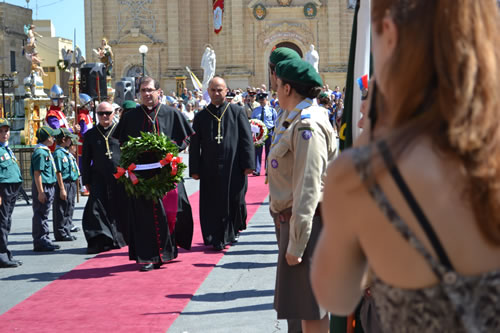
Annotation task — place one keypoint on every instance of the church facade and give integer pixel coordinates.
(177, 32)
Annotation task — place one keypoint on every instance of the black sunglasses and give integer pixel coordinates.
(104, 113)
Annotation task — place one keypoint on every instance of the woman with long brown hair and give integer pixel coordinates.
(419, 206)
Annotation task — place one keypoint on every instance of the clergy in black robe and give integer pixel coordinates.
(221, 156)
(150, 240)
(104, 224)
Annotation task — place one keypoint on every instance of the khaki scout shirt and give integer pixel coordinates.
(298, 163)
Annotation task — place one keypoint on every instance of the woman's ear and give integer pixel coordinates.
(390, 34)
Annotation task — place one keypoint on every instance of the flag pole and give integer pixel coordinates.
(75, 121)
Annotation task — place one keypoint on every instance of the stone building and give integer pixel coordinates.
(177, 32)
(12, 39)
(49, 48)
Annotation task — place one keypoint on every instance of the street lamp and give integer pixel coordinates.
(6, 81)
(143, 49)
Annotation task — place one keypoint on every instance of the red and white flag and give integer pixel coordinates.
(218, 11)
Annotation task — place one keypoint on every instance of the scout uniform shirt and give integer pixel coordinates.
(9, 169)
(43, 161)
(298, 164)
(66, 164)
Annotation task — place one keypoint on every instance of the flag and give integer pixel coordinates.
(196, 83)
(359, 65)
(218, 6)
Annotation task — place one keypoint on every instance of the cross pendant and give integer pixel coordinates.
(108, 152)
(218, 138)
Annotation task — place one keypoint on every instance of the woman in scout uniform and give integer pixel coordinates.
(10, 183)
(67, 174)
(300, 151)
(43, 173)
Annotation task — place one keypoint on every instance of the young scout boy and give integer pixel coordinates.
(10, 183)
(67, 174)
(43, 172)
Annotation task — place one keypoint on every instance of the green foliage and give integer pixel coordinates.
(157, 186)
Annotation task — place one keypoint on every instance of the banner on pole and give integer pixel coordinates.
(218, 6)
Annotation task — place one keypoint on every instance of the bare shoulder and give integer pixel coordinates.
(342, 171)
(342, 189)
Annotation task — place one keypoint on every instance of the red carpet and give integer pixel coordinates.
(108, 294)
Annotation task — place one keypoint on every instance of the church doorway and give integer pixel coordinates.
(290, 45)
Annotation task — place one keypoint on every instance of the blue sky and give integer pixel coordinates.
(66, 15)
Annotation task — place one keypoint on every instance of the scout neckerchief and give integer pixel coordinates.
(11, 153)
(72, 159)
(106, 139)
(153, 120)
(291, 116)
(44, 147)
(218, 137)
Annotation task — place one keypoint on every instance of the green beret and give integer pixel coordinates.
(45, 132)
(282, 53)
(4, 122)
(298, 71)
(75, 140)
(323, 95)
(63, 132)
(128, 104)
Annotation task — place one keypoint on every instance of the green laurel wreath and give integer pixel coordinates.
(157, 186)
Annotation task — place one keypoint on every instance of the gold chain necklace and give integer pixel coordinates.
(152, 120)
(106, 137)
(218, 137)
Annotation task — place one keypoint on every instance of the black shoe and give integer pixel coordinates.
(9, 264)
(256, 173)
(74, 229)
(66, 239)
(55, 246)
(45, 248)
(158, 265)
(219, 247)
(93, 250)
(147, 268)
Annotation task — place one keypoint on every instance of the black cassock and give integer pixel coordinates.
(221, 167)
(104, 224)
(150, 240)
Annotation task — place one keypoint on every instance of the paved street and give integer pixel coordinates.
(237, 296)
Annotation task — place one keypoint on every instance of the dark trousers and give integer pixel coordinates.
(9, 193)
(40, 221)
(258, 153)
(62, 215)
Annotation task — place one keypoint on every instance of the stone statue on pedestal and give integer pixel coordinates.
(208, 64)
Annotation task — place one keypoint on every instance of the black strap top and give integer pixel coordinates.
(457, 303)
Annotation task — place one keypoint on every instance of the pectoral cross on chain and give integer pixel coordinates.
(109, 153)
(218, 138)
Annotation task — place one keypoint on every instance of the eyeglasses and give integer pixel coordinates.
(101, 113)
(148, 90)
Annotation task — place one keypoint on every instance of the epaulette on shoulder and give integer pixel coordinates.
(305, 114)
